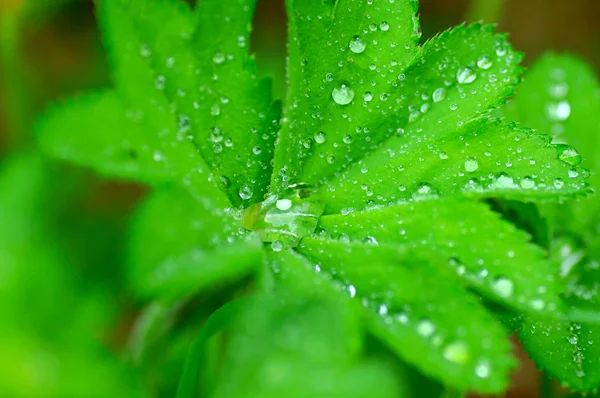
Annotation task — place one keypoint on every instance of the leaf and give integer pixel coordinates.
(330, 47)
(294, 346)
(485, 157)
(94, 131)
(486, 252)
(193, 249)
(358, 128)
(569, 351)
(417, 310)
(231, 119)
(558, 97)
(233, 100)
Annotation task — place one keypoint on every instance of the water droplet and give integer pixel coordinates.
(357, 45)
(439, 94)
(219, 58)
(569, 155)
(425, 328)
(215, 110)
(343, 95)
(184, 124)
(384, 26)
(283, 204)
(443, 155)
(245, 192)
(145, 51)
(537, 304)
(277, 246)
(347, 139)
(216, 135)
(159, 83)
(256, 150)
(559, 111)
(482, 369)
(573, 173)
(471, 165)
(329, 77)
(558, 183)
(320, 137)
(466, 75)
(527, 183)
(572, 339)
(352, 291)
(503, 287)
(484, 62)
(158, 156)
(457, 352)
(368, 96)
(331, 159)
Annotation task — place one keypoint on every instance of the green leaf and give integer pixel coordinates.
(419, 312)
(94, 131)
(486, 252)
(237, 117)
(289, 346)
(209, 94)
(569, 351)
(559, 97)
(485, 157)
(365, 44)
(192, 248)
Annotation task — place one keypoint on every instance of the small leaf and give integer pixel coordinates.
(487, 253)
(192, 249)
(94, 131)
(417, 310)
(288, 346)
(569, 351)
(485, 157)
(559, 97)
(339, 60)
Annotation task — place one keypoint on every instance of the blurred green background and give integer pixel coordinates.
(68, 327)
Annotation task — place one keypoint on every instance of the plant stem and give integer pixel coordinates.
(489, 11)
(15, 98)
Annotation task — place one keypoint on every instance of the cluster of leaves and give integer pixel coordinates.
(383, 205)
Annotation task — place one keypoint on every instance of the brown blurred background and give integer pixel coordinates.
(60, 53)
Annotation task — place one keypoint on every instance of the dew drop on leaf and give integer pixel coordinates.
(503, 287)
(216, 135)
(471, 165)
(559, 111)
(457, 352)
(320, 137)
(357, 45)
(245, 192)
(384, 26)
(277, 246)
(484, 62)
(145, 51)
(527, 183)
(342, 95)
(368, 96)
(425, 328)
(482, 369)
(569, 155)
(439, 94)
(283, 204)
(558, 183)
(466, 75)
(219, 58)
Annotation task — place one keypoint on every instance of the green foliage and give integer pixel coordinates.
(362, 214)
(559, 96)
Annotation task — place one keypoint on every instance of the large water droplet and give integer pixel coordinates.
(245, 192)
(277, 246)
(343, 95)
(558, 111)
(357, 45)
(283, 204)
(384, 26)
(439, 94)
(466, 75)
(569, 154)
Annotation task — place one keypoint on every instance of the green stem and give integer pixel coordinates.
(15, 98)
(489, 11)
